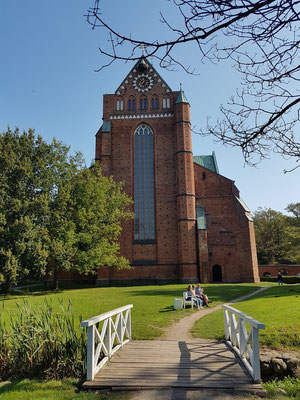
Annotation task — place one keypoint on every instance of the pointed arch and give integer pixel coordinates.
(131, 103)
(143, 103)
(154, 103)
(120, 104)
(166, 102)
(144, 220)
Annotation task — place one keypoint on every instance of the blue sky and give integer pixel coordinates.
(47, 82)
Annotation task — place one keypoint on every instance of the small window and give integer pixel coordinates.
(120, 105)
(166, 102)
(154, 103)
(131, 104)
(143, 103)
(203, 175)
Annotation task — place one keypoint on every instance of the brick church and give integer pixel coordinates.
(190, 223)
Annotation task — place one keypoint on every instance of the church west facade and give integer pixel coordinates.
(189, 221)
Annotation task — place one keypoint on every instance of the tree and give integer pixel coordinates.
(260, 37)
(270, 233)
(53, 212)
(277, 236)
(85, 223)
(293, 232)
(30, 172)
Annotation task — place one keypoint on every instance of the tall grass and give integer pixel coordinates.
(40, 343)
(288, 387)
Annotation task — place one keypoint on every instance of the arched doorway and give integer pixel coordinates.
(217, 273)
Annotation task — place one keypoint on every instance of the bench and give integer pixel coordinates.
(185, 301)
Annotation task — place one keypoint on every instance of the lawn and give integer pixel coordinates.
(152, 311)
(153, 305)
(278, 308)
(58, 390)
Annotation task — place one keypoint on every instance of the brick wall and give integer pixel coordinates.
(274, 269)
(230, 234)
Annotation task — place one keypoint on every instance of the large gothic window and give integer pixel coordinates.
(144, 227)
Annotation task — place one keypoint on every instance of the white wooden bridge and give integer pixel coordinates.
(192, 364)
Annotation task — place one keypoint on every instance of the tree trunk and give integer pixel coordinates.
(55, 279)
(7, 286)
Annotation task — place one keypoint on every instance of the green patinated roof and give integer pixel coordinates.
(106, 126)
(245, 207)
(181, 97)
(209, 162)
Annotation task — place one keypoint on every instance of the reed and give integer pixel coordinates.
(43, 344)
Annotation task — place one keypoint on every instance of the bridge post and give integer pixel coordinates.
(256, 360)
(90, 358)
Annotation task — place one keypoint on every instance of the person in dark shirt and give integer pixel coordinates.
(280, 279)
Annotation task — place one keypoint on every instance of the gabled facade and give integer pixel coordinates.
(190, 223)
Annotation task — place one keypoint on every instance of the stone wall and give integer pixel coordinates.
(275, 364)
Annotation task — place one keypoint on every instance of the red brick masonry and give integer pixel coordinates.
(274, 269)
(180, 252)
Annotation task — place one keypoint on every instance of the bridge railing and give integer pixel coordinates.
(245, 343)
(102, 344)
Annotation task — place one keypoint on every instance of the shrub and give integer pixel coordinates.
(291, 386)
(286, 279)
(42, 344)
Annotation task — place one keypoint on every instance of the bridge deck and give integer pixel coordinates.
(196, 363)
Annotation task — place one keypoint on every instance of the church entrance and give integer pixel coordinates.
(217, 273)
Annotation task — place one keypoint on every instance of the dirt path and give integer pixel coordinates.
(181, 329)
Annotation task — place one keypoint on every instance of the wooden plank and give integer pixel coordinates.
(166, 364)
(175, 365)
(233, 372)
(146, 384)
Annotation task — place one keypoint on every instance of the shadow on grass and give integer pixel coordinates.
(281, 291)
(167, 309)
(220, 292)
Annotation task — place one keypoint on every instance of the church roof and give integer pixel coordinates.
(106, 126)
(207, 161)
(181, 97)
(143, 68)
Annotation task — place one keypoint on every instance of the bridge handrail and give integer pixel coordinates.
(118, 330)
(239, 338)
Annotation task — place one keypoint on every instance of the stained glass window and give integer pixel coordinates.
(144, 226)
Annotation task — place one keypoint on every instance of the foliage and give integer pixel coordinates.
(277, 308)
(99, 207)
(290, 386)
(30, 172)
(54, 213)
(66, 389)
(42, 343)
(293, 232)
(258, 37)
(277, 237)
(85, 223)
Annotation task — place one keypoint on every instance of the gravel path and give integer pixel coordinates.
(181, 329)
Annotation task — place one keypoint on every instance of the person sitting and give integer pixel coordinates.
(200, 293)
(191, 295)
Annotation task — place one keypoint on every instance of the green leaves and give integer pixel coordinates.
(53, 211)
(277, 235)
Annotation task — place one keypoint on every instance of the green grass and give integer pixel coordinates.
(153, 305)
(58, 390)
(278, 308)
(289, 386)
